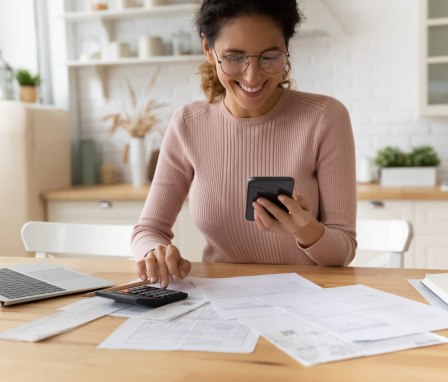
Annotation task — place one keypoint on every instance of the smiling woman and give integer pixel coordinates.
(252, 125)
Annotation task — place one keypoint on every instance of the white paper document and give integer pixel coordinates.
(311, 344)
(307, 343)
(432, 299)
(200, 330)
(175, 309)
(62, 321)
(238, 297)
(361, 313)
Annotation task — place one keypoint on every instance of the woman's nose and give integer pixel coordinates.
(253, 71)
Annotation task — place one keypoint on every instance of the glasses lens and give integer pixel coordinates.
(233, 64)
(273, 61)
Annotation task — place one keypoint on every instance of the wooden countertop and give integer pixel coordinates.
(99, 192)
(127, 192)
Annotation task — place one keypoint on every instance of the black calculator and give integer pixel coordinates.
(144, 295)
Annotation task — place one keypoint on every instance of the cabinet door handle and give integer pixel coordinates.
(105, 204)
(376, 204)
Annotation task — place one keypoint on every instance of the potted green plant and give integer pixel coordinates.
(417, 168)
(29, 84)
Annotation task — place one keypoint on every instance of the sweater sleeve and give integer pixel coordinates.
(167, 193)
(335, 172)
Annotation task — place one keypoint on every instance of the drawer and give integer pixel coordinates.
(385, 209)
(431, 218)
(106, 211)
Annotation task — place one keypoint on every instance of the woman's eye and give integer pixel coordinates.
(269, 57)
(235, 59)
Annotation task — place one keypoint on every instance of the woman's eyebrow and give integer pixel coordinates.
(231, 50)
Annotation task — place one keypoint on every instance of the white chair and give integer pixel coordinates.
(77, 240)
(392, 238)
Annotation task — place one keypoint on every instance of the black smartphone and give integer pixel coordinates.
(269, 187)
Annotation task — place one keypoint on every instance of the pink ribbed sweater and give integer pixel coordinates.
(208, 154)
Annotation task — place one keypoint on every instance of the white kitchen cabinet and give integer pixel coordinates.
(434, 57)
(186, 236)
(431, 239)
(432, 250)
(385, 209)
(429, 248)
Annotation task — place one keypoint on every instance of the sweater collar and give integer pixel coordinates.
(273, 112)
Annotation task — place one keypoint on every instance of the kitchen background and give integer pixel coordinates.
(364, 53)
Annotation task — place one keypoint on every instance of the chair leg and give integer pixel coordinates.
(396, 259)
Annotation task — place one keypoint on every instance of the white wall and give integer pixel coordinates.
(374, 70)
(17, 34)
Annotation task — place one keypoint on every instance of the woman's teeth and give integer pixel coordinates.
(250, 90)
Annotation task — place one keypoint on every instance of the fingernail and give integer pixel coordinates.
(182, 274)
(153, 280)
(174, 277)
(143, 276)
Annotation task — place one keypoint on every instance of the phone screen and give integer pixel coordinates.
(269, 188)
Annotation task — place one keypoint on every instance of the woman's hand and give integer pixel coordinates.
(162, 263)
(299, 221)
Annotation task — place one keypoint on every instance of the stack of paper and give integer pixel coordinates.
(438, 284)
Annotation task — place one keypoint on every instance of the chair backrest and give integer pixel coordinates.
(71, 239)
(392, 238)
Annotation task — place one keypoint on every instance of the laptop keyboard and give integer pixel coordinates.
(16, 285)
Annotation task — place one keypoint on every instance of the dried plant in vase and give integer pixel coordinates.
(136, 118)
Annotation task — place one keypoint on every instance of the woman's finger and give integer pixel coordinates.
(162, 268)
(141, 269)
(184, 268)
(277, 213)
(173, 260)
(151, 267)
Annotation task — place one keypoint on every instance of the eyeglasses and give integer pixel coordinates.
(271, 61)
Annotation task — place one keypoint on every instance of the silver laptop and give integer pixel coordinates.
(29, 282)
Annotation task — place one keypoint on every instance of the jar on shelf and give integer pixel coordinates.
(150, 46)
(125, 4)
(154, 3)
(99, 5)
(181, 43)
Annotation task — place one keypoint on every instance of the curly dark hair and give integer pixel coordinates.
(213, 14)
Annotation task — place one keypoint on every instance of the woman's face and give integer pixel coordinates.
(253, 92)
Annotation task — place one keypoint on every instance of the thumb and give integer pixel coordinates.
(184, 268)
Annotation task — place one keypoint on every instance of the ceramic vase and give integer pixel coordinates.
(137, 162)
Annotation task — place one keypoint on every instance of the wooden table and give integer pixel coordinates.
(73, 356)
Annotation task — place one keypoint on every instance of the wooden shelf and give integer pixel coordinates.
(137, 61)
(113, 14)
(437, 60)
(437, 22)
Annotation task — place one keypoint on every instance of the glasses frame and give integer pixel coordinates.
(248, 57)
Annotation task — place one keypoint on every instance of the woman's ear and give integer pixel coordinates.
(207, 51)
